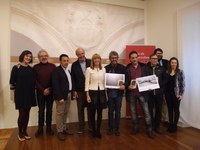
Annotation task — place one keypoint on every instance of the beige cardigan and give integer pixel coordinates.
(94, 78)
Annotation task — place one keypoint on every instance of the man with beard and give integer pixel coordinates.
(114, 95)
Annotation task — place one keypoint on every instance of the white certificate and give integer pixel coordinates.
(147, 83)
(113, 80)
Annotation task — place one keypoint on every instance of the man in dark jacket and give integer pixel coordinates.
(133, 71)
(78, 80)
(164, 63)
(155, 96)
(62, 85)
(114, 95)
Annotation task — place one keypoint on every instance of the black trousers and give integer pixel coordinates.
(95, 107)
(173, 105)
(44, 102)
(81, 104)
(155, 109)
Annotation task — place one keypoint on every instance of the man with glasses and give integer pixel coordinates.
(164, 63)
(43, 72)
(155, 96)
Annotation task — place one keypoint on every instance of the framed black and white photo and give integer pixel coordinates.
(147, 83)
(113, 80)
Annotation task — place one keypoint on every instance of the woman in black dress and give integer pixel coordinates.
(22, 81)
(175, 88)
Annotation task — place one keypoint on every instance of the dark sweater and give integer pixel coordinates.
(43, 75)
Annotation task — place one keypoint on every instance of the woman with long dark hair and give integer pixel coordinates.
(22, 81)
(175, 87)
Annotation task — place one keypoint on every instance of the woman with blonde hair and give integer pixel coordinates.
(95, 92)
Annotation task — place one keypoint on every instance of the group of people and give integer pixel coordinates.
(45, 83)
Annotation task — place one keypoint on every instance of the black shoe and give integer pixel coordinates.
(150, 134)
(98, 135)
(174, 128)
(39, 132)
(157, 130)
(49, 131)
(170, 128)
(94, 134)
(135, 131)
(117, 133)
(110, 132)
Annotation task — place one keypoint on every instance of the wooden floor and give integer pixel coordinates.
(184, 139)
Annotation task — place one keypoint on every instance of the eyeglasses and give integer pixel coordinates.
(154, 58)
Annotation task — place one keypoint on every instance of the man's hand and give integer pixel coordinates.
(46, 92)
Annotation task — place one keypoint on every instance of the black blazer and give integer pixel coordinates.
(78, 78)
(60, 84)
(165, 63)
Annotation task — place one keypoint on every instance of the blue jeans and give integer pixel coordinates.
(114, 112)
(144, 106)
(44, 102)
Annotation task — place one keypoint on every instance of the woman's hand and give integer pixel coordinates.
(180, 97)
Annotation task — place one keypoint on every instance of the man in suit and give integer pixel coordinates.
(62, 85)
(164, 63)
(161, 61)
(78, 81)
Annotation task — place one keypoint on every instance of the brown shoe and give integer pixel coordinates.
(61, 136)
(66, 132)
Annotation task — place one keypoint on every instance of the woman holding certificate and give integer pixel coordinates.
(95, 92)
(174, 92)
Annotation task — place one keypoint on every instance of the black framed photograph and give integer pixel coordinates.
(113, 80)
(133, 84)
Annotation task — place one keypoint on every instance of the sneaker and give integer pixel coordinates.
(21, 138)
(61, 136)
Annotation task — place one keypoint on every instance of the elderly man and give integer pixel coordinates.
(43, 72)
(78, 80)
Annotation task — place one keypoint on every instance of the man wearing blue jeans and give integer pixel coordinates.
(133, 71)
(114, 95)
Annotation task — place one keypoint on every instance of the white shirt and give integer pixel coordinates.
(68, 77)
(94, 78)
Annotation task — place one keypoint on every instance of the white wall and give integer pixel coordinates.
(161, 30)
(161, 24)
(8, 114)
